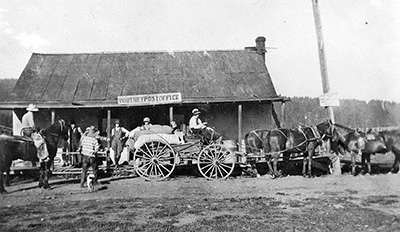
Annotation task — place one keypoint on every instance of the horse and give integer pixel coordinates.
(21, 147)
(51, 136)
(296, 140)
(253, 140)
(367, 143)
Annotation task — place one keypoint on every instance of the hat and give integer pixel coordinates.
(116, 121)
(195, 111)
(146, 119)
(92, 131)
(32, 107)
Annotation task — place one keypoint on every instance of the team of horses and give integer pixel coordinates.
(272, 143)
(266, 143)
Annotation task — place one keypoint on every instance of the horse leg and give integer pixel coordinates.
(275, 165)
(395, 166)
(7, 182)
(2, 189)
(368, 163)
(268, 160)
(353, 163)
(363, 158)
(47, 165)
(41, 173)
(303, 172)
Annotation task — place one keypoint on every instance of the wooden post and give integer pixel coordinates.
(283, 114)
(108, 129)
(171, 114)
(322, 58)
(53, 116)
(240, 116)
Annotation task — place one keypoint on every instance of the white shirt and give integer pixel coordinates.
(27, 120)
(195, 123)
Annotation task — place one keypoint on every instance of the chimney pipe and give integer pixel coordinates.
(260, 46)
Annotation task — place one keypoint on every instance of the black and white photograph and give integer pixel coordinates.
(200, 115)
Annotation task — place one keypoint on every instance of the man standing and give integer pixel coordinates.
(74, 136)
(28, 122)
(118, 135)
(89, 148)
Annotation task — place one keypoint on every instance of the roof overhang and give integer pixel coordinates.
(114, 103)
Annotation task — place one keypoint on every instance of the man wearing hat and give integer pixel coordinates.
(28, 122)
(146, 124)
(74, 136)
(195, 123)
(89, 148)
(118, 135)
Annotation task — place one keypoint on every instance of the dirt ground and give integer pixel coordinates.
(185, 203)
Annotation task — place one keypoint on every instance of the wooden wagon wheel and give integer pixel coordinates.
(216, 161)
(154, 160)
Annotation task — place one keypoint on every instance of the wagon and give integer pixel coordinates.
(155, 156)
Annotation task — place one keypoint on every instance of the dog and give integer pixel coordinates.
(90, 180)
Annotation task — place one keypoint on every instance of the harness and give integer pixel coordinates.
(292, 142)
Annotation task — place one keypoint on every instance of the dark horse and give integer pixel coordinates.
(365, 144)
(254, 140)
(272, 143)
(19, 147)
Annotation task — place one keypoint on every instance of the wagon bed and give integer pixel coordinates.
(157, 159)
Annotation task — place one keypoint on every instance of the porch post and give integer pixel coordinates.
(108, 129)
(53, 116)
(171, 114)
(240, 116)
(283, 114)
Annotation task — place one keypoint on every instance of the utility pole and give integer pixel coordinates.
(322, 58)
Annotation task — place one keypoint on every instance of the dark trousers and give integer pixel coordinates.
(76, 158)
(28, 133)
(87, 162)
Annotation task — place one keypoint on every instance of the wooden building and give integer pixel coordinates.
(232, 89)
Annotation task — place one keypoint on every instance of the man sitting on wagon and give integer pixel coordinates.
(198, 127)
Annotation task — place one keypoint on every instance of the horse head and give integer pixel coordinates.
(326, 129)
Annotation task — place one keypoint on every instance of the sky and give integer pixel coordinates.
(361, 37)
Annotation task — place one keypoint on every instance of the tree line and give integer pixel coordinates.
(299, 111)
(351, 112)
(6, 86)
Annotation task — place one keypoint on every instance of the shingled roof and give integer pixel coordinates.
(97, 79)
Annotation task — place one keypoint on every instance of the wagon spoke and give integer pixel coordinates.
(161, 153)
(159, 169)
(205, 160)
(205, 166)
(144, 152)
(226, 171)
(219, 170)
(225, 165)
(167, 158)
(214, 170)
(166, 169)
(209, 165)
(146, 169)
(164, 154)
(209, 154)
